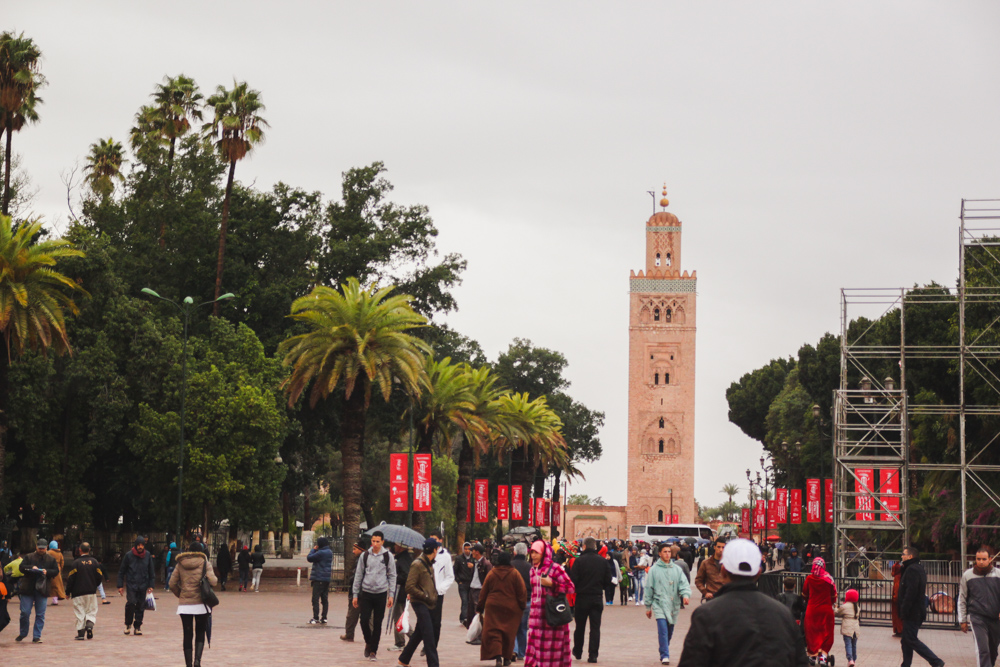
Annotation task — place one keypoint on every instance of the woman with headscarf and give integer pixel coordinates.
(548, 645)
(897, 622)
(820, 594)
(501, 602)
(58, 589)
(185, 583)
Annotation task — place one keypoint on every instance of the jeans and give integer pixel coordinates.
(436, 619)
(471, 602)
(256, 578)
(592, 609)
(40, 602)
(135, 606)
(463, 594)
(910, 645)
(166, 579)
(521, 638)
(851, 647)
(244, 578)
(639, 578)
(424, 633)
(664, 632)
(320, 594)
(372, 606)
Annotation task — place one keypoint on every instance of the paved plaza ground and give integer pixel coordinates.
(270, 628)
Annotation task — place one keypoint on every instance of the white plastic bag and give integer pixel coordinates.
(150, 602)
(475, 629)
(403, 623)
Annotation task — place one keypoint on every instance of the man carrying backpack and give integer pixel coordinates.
(374, 583)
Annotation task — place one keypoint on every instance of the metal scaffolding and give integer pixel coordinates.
(874, 408)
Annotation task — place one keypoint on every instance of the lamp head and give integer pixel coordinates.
(227, 295)
(146, 290)
(188, 300)
(816, 411)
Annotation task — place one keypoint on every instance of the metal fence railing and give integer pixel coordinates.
(876, 597)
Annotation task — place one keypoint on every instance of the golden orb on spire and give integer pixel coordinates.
(664, 202)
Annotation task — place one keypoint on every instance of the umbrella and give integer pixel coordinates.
(399, 534)
(208, 629)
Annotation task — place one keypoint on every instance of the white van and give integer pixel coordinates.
(661, 532)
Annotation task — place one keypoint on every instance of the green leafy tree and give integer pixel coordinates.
(236, 128)
(20, 79)
(104, 166)
(357, 338)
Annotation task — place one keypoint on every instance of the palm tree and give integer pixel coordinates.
(236, 128)
(176, 102)
(145, 137)
(33, 297)
(445, 403)
(104, 166)
(19, 79)
(730, 490)
(355, 337)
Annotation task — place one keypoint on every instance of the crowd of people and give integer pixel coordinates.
(517, 603)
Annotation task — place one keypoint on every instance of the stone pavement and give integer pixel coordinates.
(270, 628)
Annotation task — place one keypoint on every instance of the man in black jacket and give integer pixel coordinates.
(591, 576)
(135, 579)
(85, 575)
(403, 561)
(740, 625)
(38, 569)
(463, 577)
(913, 608)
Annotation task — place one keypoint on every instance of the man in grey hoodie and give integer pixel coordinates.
(374, 584)
(979, 606)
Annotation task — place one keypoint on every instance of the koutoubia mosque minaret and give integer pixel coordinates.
(661, 362)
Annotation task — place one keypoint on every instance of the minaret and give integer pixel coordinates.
(661, 379)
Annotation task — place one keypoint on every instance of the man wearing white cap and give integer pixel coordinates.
(740, 625)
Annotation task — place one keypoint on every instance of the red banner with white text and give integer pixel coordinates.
(863, 484)
(555, 513)
(531, 511)
(812, 500)
(795, 506)
(675, 518)
(502, 511)
(772, 514)
(758, 516)
(516, 504)
(399, 491)
(745, 523)
(781, 499)
(828, 502)
(889, 483)
(421, 482)
(540, 517)
(482, 500)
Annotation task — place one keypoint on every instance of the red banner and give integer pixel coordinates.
(772, 514)
(795, 509)
(502, 512)
(829, 500)
(540, 517)
(482, 500)
(758, 516)
(399, 492)
(812, 501)
(745, 523)
(864, 482)
(531, 511)
(421, 482)
(781, 498)
(889, 483)
(675, 518)
(468, 505)
(516, 504)
(555, 512)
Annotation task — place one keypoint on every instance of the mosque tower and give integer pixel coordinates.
(661, 379)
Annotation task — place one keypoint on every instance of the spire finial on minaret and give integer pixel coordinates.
(664, 202)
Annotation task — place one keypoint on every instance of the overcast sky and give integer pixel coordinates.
(805, 147)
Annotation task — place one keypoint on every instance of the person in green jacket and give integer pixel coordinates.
(667, 589)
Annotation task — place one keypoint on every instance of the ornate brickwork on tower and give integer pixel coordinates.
(661, 379)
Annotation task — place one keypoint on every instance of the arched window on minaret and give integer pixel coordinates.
(659, 516)
(656, 314)
(661, 422)
(661, 445)
(668, 260)
(669, 314)
(666, 378)
(658, 259)
(656, 378)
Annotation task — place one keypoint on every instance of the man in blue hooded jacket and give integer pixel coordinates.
(321, 557)
(136, 578)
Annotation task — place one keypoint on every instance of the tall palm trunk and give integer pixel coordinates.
(223, 230)
(465, 461)
(170, 170)
(4, 421)
(352, 433)
(8, 158)
(424, 446)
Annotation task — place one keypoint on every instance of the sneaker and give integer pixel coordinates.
(106, 601)
(128, 629)
(395, 648)
(313, 621)
(322, 621)
(36, 640)
(137, 633)
(345, 638)
(20, 638)
(371, 657)
(90, 633)
(665, 661)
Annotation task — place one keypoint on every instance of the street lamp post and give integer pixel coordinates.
(185, 310)
(768, 474)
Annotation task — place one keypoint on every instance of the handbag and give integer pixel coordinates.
(208, 596)
(557, 611)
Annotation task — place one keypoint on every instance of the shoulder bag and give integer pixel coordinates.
(557, 611)
(208, 596)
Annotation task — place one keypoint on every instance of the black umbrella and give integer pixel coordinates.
(399, 534)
